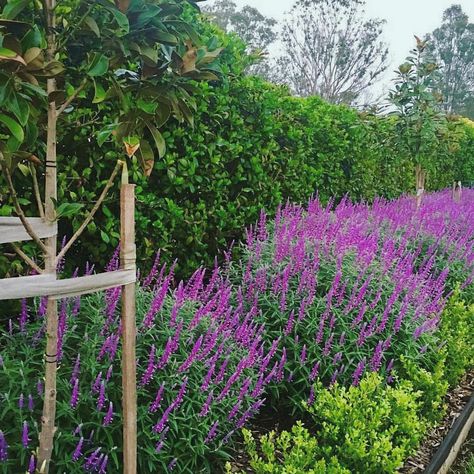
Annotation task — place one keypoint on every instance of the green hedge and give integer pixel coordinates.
(253, 146)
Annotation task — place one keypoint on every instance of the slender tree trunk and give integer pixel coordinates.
(129, 366)
(49, 405)
(420, 177)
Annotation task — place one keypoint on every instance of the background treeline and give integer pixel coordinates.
(253, 145)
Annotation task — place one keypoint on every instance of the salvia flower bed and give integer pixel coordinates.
(323, 297)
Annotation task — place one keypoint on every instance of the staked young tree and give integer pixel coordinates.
(130, 63)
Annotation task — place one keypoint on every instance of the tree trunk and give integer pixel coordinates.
(129, 366)
(49, 404)
(420, 177)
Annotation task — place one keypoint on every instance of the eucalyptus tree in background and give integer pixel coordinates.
(452, 45)
(417, 105)
(330, 49)
(129, 64)
(255, 29)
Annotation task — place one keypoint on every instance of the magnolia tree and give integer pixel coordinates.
(132, 62)
(417, 106)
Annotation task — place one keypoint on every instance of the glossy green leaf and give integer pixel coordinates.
(98, 66)
(13, 126)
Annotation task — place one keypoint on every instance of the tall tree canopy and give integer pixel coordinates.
(255, 29)
(452, 45)
(331, 49)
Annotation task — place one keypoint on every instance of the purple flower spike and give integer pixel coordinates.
(40, 387)
(103, 465)
(172, 464)
(32, 464)
(91, 461)
(3, 447)
(311, 396)
(356, 376)
(75, 394)
(31, 404)
(21, 401)
(101, 400)
(212, 432)
(109, 416)
(25, 441)
(303, 355)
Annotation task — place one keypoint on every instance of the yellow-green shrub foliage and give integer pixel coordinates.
(295, 452)
(456, 333)
(371, 428)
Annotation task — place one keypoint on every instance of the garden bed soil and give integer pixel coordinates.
(456, 400)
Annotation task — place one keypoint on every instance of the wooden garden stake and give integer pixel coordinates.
(129, 376)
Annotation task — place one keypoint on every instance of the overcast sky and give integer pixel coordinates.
(404, 19)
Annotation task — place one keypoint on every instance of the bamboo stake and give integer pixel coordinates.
(129, 388)
(49, 404)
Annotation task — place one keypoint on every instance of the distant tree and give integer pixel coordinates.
(331, 50)
(452, 45)
(255, 29)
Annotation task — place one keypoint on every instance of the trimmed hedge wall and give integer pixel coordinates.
(253, 146)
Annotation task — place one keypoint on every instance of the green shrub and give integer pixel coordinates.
(294, 452)
(456, 333)
(371, 428)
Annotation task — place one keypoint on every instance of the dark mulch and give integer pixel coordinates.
(456, 399)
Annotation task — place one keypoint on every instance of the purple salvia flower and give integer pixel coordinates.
(3, 447)
(32, 465)
(150, 370)
(207, 404)
(290, 323)
(39, 387)
(235, 409)
(101, 399)
(21, 401)
(97, 383)
(356, 376)
(157, 402)
(109, 416)
(153, 272)
(334, 377)
(30, 402)
(311, 396)
(328, 345)
(376, 360)
(76, 369)
(314, 372)
(337, 358)
(24, 435)
(212, 432)
(78, 451)
(159, 446)
(109, 373)
(75, 394)
(103, 465)
(303, 354)
(91, 460)
(172, 464)
(23, 315)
